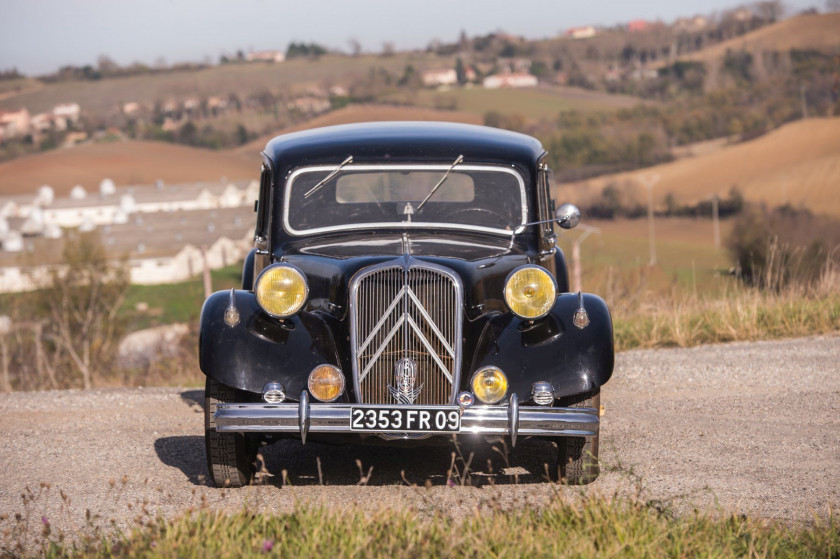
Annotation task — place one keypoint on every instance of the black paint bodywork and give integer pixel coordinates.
(261, 349)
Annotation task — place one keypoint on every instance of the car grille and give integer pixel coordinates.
(406, 311)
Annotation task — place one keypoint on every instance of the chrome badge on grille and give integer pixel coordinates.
(405, 372)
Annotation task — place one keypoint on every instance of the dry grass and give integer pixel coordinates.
(125, 163)
(797, 164)
(584, 527)
(542, 102)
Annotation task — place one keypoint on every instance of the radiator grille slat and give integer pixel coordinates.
(406, 310)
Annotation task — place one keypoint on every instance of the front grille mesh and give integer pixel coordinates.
(406, 313)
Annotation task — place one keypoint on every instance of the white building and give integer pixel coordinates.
(432, 78)
(510, 80)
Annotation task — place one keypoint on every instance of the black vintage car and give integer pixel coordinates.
(405, 285)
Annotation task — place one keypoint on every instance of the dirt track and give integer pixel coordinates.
(751, 426)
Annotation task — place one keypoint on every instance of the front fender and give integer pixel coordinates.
(260, 349)
(551, 349)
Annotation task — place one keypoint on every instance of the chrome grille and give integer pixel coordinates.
(406, 310)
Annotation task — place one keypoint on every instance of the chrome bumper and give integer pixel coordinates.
(304, 418)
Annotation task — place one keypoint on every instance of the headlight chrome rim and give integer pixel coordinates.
(339, 375)
(551, 300)
(269, 270)
(477, 392)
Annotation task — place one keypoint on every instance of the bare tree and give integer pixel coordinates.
(83, 298)
(832, 5)
(355, 47)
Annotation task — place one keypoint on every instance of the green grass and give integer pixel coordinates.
(175, 302)
(594, 527)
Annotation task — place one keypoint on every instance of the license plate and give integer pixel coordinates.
(405, 420)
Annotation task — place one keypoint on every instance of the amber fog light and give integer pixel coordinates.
(489, 385)
(326, 383)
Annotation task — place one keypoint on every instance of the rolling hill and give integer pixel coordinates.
(810, 31)
(797, 164)
(365, 113)
(125, 163)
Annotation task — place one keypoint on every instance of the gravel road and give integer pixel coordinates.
(747, 427)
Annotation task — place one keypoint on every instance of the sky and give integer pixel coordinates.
(39, 36)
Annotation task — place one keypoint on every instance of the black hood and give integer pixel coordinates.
(482, 262)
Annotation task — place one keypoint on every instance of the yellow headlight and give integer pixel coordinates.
(326, 383)
(281, 291)
(489, 385)
(530, 292)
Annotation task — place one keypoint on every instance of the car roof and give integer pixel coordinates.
(403, 141)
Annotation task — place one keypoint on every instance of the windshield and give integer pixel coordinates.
(476, 197)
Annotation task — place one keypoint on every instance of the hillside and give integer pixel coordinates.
(365, 113)
(294, 76)
(816, 31)
(797, 164)
(124, 163)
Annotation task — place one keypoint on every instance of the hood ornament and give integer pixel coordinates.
(405, 372)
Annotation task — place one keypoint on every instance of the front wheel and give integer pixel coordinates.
(577, 457)
(231, 457)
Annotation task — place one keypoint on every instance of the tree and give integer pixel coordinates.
(355, 47)
(82, 298)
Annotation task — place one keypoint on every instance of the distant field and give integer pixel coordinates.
(242, 79)
(533, 102)
(124, 163)
(817, 31)
(616, 257)
(365, 113)
(798, 164)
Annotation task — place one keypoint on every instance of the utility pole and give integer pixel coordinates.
(208, 282)
(577, 273)
(804, 101)
(649, 181)
(716, 220)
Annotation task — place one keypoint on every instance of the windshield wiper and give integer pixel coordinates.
(326, 179)
(440, 182)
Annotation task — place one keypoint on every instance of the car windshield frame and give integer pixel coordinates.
(435, 167)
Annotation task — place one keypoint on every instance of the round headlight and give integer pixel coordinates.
(530, 292)
(281, 290)
(489, 385)
(326, 383)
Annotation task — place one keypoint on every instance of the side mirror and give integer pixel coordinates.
(567, 216)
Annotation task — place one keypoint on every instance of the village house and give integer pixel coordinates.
(433, 78)
(15, 124)
(584, 32)
(510, 80)
(265, 56)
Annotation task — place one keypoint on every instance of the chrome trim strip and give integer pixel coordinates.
(404, 262)
(475, 420)
(287, 195)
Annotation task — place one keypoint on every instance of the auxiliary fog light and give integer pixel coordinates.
(489, 384)
(542, 393)
(326, 383)
(274, 393)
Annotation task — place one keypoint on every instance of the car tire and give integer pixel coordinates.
(577, 457)
(231, 457)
